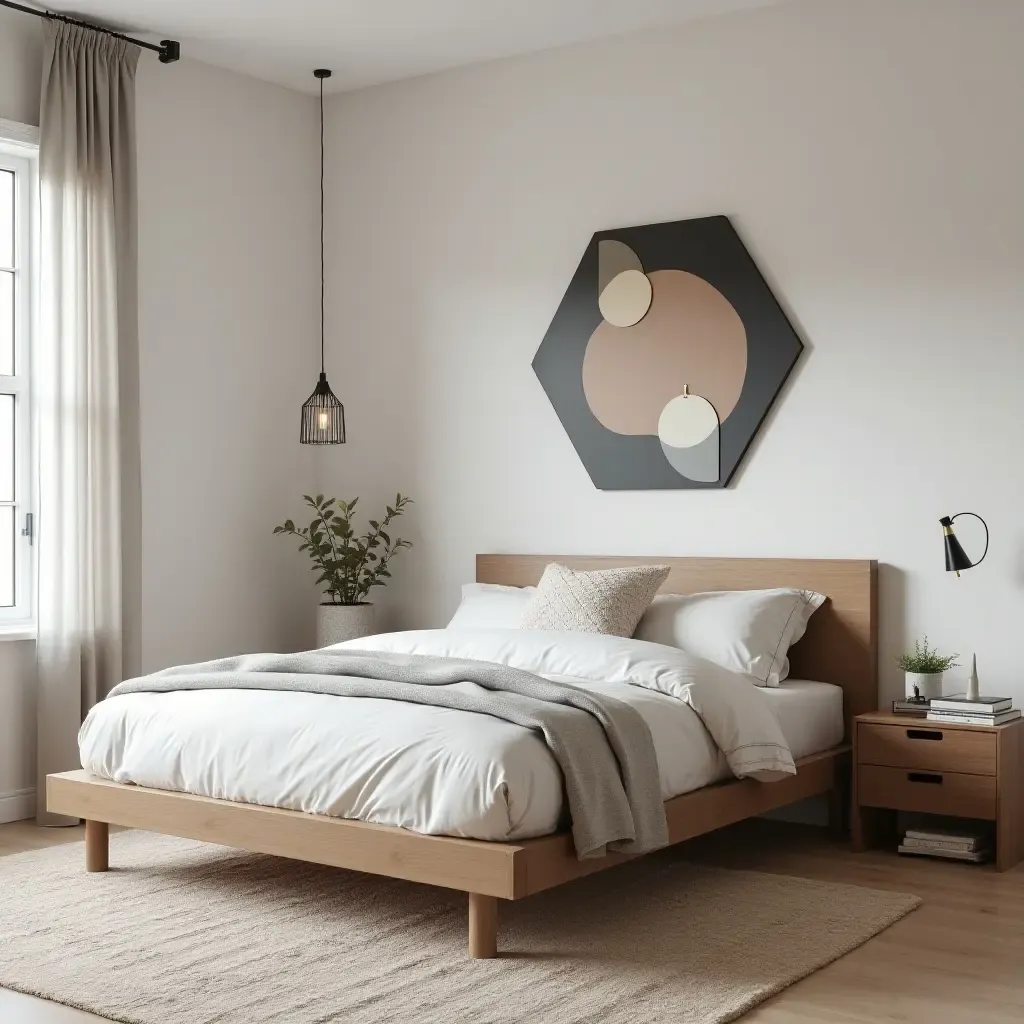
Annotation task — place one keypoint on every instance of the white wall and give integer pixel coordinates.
(871, 157)
(228, 282)
(21, 62)
(17, 730)
(229, 329)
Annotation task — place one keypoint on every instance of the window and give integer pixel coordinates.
(18, 190)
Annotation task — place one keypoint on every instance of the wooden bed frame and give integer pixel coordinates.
(840, 646)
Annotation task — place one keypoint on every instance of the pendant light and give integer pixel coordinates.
(323, 416)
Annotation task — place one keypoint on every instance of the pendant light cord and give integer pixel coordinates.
(322, 363)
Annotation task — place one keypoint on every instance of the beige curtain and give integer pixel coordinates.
(86, 380)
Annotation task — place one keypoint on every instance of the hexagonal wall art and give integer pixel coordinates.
(665, 355)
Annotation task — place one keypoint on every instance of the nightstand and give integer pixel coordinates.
(963, 771)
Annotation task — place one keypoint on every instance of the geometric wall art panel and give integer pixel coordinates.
(665, 355)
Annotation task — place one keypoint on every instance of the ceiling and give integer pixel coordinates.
(367, 42)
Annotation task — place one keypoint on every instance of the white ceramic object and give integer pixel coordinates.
(929, 684)
(973, 690)
(336, 623)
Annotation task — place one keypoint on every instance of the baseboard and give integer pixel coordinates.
(17, 805)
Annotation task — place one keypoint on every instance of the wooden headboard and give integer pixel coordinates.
(841, 642)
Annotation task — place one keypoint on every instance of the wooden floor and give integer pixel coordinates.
(959, 959)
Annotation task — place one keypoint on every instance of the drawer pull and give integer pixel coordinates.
(924, 734)
(929, 777)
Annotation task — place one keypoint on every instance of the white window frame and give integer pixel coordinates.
(19, 152)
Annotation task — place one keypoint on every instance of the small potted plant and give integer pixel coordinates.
(923, 669)
(349, 566)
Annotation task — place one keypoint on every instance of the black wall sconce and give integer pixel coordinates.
(956, 557)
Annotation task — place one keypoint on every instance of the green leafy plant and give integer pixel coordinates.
(926, 660)
(349, 564)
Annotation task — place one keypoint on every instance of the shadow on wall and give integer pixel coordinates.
(892, 628)
(1018, 563)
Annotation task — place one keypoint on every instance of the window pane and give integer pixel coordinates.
(6, 556)
(6, 218)
(6, 448)
(6, 323)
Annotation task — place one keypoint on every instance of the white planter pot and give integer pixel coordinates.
(336, 623)
(929, 684)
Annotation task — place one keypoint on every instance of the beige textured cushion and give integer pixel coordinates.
(609, 601)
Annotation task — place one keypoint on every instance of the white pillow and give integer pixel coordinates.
(748, 631)
(490, 606)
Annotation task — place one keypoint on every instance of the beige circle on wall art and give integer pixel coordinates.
(686, 421)
(626, 298)
(613, 257)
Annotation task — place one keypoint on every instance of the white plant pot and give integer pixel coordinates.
(929, 684)
(336, 623)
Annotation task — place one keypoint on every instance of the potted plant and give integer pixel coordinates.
(349, 566)
(923, 669)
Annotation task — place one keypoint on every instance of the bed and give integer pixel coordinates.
(494, 855)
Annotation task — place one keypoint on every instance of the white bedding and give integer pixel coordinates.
(810, 714)
(432, 770)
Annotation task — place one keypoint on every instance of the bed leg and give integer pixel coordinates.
(97, 846)
(483, 926)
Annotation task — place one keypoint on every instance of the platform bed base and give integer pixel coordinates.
(487, 871)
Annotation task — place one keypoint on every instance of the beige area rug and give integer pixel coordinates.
(180, 932)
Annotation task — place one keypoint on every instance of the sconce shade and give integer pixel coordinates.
(323, 416)
(956, 557)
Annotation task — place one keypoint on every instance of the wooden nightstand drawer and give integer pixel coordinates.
(958, 771)
(951, 793)
(922, 745)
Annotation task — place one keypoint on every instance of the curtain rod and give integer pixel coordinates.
(169, 50)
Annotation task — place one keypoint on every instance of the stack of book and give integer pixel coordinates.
(915, 708)
(962, 710)
(953, 845)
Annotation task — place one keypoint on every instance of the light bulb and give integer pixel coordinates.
(322, 420)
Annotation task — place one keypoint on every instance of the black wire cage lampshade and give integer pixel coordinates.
(323, 416)
(956, 558)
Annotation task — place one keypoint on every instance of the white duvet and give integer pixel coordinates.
(434, 770)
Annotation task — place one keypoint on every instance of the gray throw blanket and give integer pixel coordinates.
(602, 745)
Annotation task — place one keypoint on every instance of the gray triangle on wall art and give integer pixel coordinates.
(665, 355)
